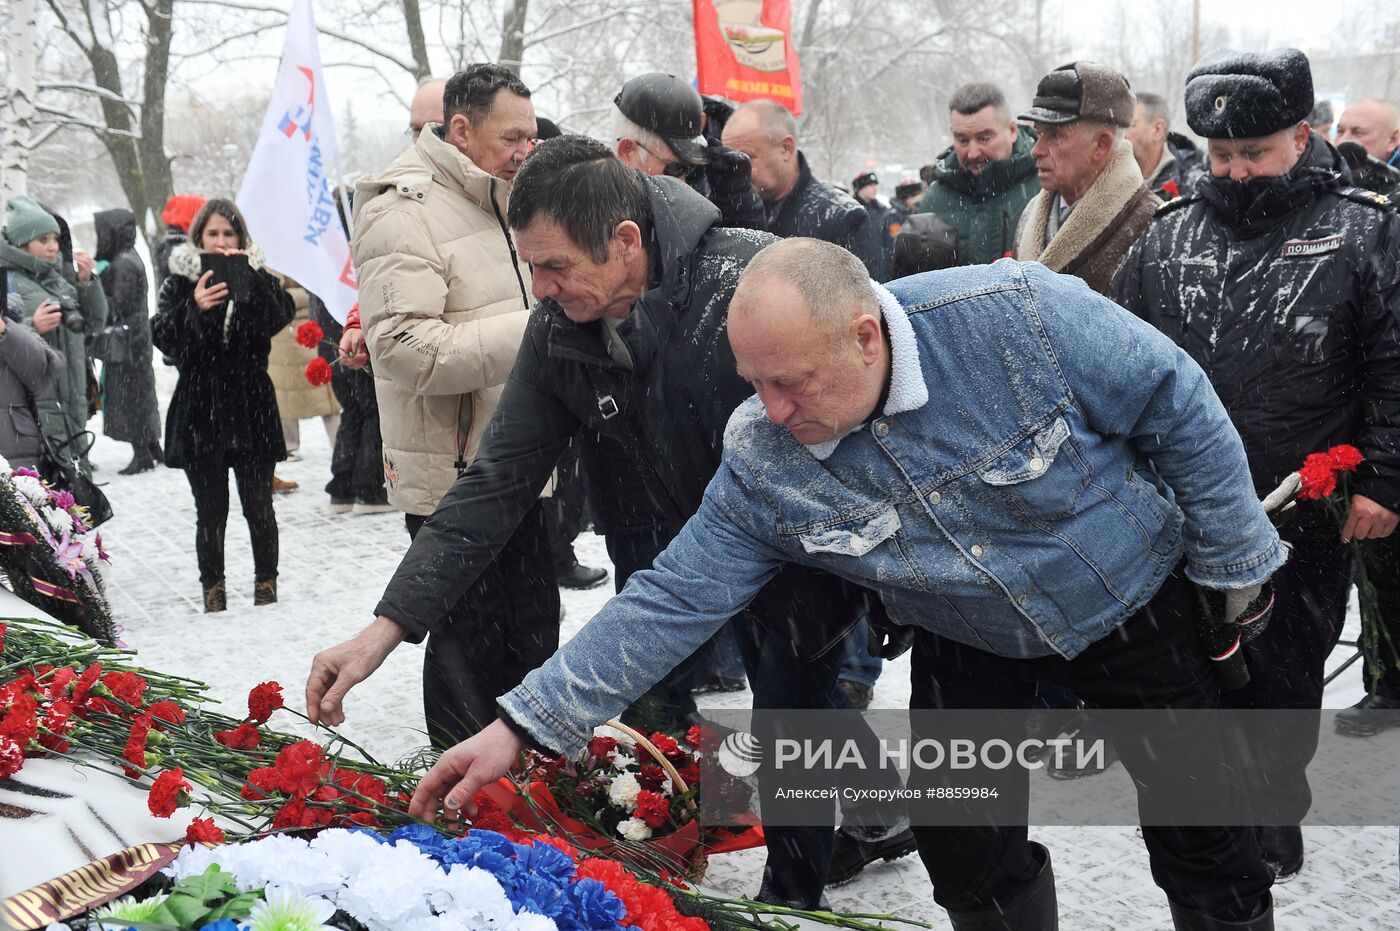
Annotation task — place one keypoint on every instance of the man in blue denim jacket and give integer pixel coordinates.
(1018, 467)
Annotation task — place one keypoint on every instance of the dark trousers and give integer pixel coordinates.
(1286, 665)
(798, 856)
(1152, 661)
(357, 467)
(506, 624)
(1381, 621)
(209, 483)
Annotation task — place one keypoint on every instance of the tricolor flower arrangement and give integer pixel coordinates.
(50, 552)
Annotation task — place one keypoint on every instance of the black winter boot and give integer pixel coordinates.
(1186, 919)
(1032, 909)
(1282, 850)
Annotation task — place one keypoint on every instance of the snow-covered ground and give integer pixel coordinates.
(334, 567)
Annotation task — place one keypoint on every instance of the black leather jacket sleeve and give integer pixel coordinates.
(474, 520)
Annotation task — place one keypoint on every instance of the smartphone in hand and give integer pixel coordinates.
(232, 270)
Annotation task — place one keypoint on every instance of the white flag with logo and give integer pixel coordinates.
(286, 195)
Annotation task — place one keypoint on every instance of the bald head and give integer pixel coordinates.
(426, 106)
(804, 325)
(833, 285)
(1374, 124)
(767, 134)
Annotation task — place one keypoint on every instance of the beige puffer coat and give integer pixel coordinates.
(297, 398)
(443, 302)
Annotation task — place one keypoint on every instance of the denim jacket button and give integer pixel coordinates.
(934, 497)
(1037, 464)
(977, 550)
(882, 428)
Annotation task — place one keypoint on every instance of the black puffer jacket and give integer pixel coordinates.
(816, 209)
(1292, 306)
(223, 410)
(1188, 165)
(659, 427)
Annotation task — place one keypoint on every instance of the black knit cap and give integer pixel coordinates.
(1245, 95)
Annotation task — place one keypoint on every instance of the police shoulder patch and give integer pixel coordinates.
(1369, 198)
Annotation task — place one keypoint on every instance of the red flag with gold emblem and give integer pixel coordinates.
(744, 51)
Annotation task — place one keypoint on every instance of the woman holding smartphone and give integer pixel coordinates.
(216, 315)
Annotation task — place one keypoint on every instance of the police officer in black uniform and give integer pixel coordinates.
(1283, 281)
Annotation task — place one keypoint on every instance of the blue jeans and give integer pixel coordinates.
(857, 665)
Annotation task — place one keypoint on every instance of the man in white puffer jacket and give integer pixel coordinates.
(444, 300)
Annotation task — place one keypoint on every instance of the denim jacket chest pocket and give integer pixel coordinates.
(867, 544)
(1040, 478)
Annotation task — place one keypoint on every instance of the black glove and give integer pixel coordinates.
(730, 178)
(1226, 622)
(886, 639)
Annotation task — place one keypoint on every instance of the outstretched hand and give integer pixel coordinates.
(463, 770)
(337, 669)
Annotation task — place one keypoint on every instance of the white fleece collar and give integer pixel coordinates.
(908, 391)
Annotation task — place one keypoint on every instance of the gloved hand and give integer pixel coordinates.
(729, 169)
(887, 640)
(1228, 620)
(1281, 503)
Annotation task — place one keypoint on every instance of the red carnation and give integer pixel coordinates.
(11, 757)
(168, 793)
(600, 747)
(203, 831)
(22, 723)
(1319, 477)
(309, 334)
(62, 678)
(1171, 189)
(1345, 458)
(665, 743)
(652, 808)
(318, 372)
(126, 687)
(165, 712)
(261, 783)
(651, 777)
(85, 683)
(301, 767)
(263, 700)
(243, 737)
(691, 774)
(3, 628)
(294, 814)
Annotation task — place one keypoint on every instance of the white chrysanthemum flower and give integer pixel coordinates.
(345, 851)
(6, 470)
(257, 865)
(281, 910)
(58, 519)
(129, 911)
(393, 887)
(32, 488)
(475, 898)
(623, 791)
(192, 861)
(529, 921)
(634, 829)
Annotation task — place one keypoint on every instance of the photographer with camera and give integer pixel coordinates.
(63, 302)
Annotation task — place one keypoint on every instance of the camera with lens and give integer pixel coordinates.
(72, 317)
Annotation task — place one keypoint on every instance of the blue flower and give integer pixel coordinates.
(424, 838)
(595, 908)
(538, 894)
(549, 861)
(223, 924)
